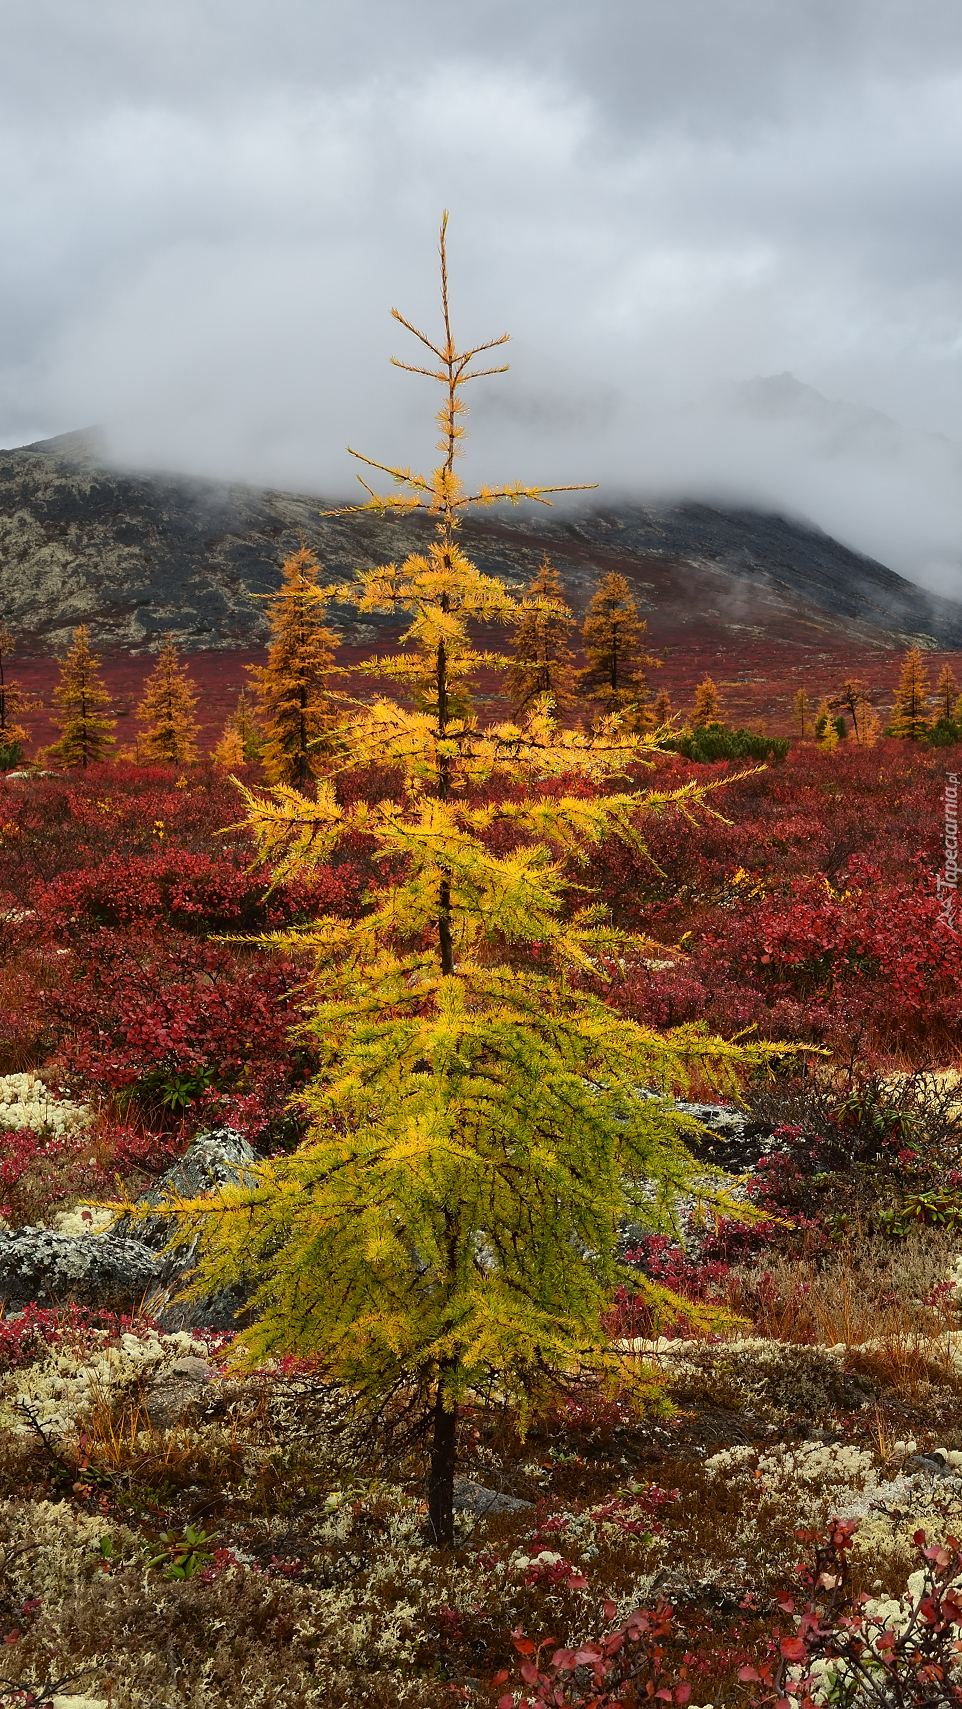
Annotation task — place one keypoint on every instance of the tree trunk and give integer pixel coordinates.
(445, 940)
(444, 1441)
(443, 1460)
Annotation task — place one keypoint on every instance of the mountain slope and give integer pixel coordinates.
(134, 555)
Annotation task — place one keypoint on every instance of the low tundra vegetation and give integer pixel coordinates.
(778, 1522)
(263, 1547)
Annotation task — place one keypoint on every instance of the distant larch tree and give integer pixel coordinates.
(707, 708)
(542, 660)
(854, 701)
(613, 638)
(167, 711)
(81, 695)
(800, 710)
(910, 719)
(293, 687)
(14, 703)
(661, 711)
(240, 742)
(946, 693)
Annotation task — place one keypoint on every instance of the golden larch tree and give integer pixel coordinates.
(293, 687)
(449, 1226)
(81, 694)
(826, 727)
(910, 718)
(245, 723)
(167, 711)
(946, 693)
(613, 638)
(707, 708)
(853, 700)
(541, 657)
(229, 751)
(800, 710)
(14, 703)
(661, 711)
(240, 742)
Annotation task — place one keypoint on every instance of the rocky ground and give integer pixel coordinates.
(174, 1531)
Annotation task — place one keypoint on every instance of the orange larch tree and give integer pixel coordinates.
(292, 688)
(542, 659)
(14, 702)
(707, 709)
(168, 711)
(910, 715)
(81, 695)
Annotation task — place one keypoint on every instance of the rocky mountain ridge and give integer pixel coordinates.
(134, 555)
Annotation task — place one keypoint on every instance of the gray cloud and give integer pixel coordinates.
(210, 206)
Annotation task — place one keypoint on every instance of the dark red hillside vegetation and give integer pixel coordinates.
(808, 913)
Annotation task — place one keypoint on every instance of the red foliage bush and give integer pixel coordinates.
(171, 1018)
(192, 892)
(913, 1664)
(811, 915)
(117, 882)
(626, 1668)
(34, 1331)
(40, 1171)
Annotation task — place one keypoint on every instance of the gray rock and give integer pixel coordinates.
(40, 1266)
(933, 1465)
(126, 1268)
(215, 1159)
(474, 1498)
(180, 1388)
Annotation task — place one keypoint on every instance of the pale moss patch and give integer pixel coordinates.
(49, 1549)
(62, 1387)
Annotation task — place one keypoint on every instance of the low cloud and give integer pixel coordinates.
(674, 210)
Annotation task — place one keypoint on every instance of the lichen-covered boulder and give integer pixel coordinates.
(41, 1266)
(125, 1268)
(213, 1160)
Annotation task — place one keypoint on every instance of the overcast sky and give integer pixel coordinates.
(209, 207)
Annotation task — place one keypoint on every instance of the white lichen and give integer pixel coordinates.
(27, 1102)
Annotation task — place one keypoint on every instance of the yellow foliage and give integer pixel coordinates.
(707, 705)
(80, 695)
(909, 714)
(542, 658)
(167, 711)
(476, 1131)
(613, 637)
(292, 688)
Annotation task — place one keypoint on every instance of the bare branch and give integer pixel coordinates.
(480, 373)
(424, 340)
(442, 245)
(397, 474)
(515, 495)
(432, 373)
(492, 344)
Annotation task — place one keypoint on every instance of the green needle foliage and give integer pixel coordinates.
(449, 1225)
